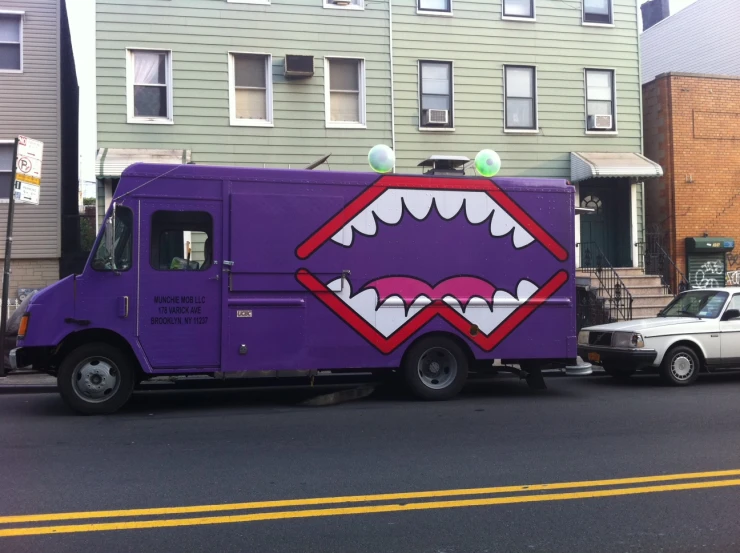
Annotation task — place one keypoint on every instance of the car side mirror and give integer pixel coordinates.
(731, 314)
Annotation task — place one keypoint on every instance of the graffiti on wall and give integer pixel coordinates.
(710, 275)
(732, 278)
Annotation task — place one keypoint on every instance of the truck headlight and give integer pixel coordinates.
(627, 340)
(583, 338)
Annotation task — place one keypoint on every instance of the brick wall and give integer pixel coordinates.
(692, 128)
(31, 273)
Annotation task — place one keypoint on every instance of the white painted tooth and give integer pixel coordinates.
(388, 207)
(363, 303)
(478, 207)
(521, 237)
(344, 236)
(525, 289)
(501, 222)
(452, 302)
(418, 202)
(364, 222)
(335, 285)
(448, 202)
(391, 314)
(503, 299)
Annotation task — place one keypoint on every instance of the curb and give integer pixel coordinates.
(27, 389)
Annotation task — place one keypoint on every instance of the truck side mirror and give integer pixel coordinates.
(731, 314)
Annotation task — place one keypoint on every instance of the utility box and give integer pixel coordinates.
(706, 263)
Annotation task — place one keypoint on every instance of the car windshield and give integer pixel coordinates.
(702, 304)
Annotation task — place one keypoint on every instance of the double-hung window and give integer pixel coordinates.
(518, 9)
(6, 170)
(436, 102)
(11, 42)
(250, 89)
(600, 101)
(434, 6)
(149, 86)
(598, 11)
(345, 92)
(520, 85)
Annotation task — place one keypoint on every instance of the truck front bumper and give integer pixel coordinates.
(13, 359)
(627, 359)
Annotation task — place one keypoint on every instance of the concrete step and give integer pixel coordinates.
(646, 301)
(630, 271)
(643, 280)
(639, 291)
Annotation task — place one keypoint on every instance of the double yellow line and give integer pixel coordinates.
(379, 503)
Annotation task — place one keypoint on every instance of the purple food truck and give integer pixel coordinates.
(204, 270)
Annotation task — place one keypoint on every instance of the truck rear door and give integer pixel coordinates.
(180, 283)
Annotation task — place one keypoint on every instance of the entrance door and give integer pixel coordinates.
(606, 230)
(180, 284)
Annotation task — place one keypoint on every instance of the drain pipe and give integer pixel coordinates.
(393, 103)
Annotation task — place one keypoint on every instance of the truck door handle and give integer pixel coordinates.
(214, 278)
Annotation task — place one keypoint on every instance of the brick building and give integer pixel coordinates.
(692, 129)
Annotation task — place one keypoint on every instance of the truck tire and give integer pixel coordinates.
(435, 368)
(680, 366)
(96, 379)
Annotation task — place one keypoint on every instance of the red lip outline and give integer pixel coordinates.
(373, 192)
(437, 308)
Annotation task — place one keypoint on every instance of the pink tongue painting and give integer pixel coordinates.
(462, 288)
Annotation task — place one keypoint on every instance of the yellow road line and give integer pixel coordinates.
(360, 498)
(368, 509)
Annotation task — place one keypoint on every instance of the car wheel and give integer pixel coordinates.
(96, 379)
(435, 368)
(680, 366)
(619, 374)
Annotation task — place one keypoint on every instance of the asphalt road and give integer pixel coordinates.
(179, 450)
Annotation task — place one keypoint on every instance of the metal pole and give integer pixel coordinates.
(6, 268)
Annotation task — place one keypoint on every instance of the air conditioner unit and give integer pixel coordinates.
(298, 65)
(340, 2)
(435, 117)
(599, 122)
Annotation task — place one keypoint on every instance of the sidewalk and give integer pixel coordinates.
(25, 382)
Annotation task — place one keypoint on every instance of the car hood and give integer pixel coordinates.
(645, 325)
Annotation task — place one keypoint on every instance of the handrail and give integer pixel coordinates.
(619, 296)
(656, 261)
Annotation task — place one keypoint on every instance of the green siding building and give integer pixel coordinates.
(281, 83)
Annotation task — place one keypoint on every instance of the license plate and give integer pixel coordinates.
(595, 357)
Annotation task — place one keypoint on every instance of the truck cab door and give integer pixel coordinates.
(180, 284)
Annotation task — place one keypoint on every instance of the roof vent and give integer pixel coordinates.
(445, 165)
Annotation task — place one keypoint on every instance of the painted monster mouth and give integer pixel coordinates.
(388, 310)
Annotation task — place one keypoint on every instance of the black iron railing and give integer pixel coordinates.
(618, 300)
(591, 309)
(654, 259)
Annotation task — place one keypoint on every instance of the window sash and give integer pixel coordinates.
(442, 6)
(11, 42)
(519, 8)
(520, 106)
(148, 77)
(597, 11)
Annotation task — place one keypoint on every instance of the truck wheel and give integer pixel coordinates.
(680, 366)
(96, 379)
(435, 368)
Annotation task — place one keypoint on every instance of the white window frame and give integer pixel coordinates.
(234, 120)
(262, 2)
(438, 13)
(327, 95)
(519, 17)
(329, 5)
(452, 95)
(596, 24)
(514, 130)
(21, 15)
(8, 143)
(170, 120)
(615, 132)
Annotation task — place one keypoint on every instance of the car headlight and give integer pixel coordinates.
(627, 340)
(583, 338)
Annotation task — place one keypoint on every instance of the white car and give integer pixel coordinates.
(699, 330)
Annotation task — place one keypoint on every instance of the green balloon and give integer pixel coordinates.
(487, 163)
(381, 158)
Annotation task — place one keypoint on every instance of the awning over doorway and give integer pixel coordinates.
(110, 162)
(587, 165)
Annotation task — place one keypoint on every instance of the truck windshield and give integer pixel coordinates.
(114, 252)
(702, 304)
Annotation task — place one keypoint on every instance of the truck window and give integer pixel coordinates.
(120, 258)
(181, 241)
